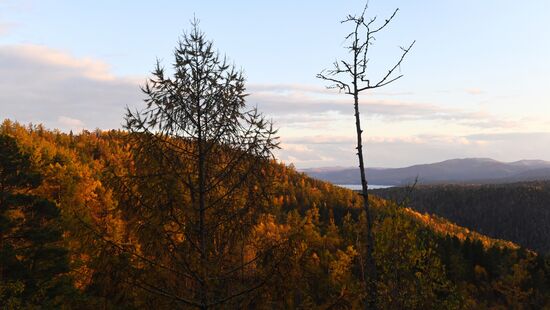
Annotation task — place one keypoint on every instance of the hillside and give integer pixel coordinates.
(468, 170)
(121, 254)
(518, 212)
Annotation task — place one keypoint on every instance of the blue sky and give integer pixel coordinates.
(475, 83)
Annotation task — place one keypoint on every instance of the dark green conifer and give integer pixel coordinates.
(33, 261)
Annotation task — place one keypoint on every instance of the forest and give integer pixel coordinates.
(70, 239)
(518, 212)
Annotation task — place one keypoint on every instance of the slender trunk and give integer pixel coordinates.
(202, 229)
(370, 269)
(202, 210)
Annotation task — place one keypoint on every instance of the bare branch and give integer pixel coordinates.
(338, 84)
(384, 81)
(386, 22)
(348, 66)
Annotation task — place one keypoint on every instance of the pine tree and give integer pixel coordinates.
(33, 261)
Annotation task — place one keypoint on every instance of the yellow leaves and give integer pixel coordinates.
(71, 179)
(340, 268)
(410, 271)
(315, 235)
(268, 230)
(278, 200)
(81, 271)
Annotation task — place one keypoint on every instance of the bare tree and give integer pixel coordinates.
(199, 180)
(350, 77)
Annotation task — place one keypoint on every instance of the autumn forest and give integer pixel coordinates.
(187, 207)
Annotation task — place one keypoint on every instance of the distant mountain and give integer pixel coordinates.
(466, 170)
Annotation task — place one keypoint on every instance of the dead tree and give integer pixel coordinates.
(351, 78)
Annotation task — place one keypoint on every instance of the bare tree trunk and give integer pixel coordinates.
(361, 38)
(370, 274)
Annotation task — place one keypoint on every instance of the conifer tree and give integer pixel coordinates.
(33, 261)
(200, 179)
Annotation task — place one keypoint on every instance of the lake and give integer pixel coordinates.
(357, 187)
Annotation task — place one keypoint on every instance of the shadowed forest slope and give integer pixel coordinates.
(518, 212)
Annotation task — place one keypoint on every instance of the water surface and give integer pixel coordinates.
(356, 187)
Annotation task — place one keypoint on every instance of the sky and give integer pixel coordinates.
(475, 84)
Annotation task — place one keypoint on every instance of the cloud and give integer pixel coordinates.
(349, 140)
(306, 156)
(42, 85)
(474, 91)
(41, 57)
(72, 123)
(528, 137)
(320, 139)
(285, 88)
(297, 103)
(309, 88)
(400, 151)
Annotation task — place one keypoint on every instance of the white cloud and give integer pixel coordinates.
(301, 103)
(409, 150)
(39, 84)
(44, 57)
(303, 155)
(285, 88)
(71, 123)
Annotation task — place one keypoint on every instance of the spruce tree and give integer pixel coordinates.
(33, 261)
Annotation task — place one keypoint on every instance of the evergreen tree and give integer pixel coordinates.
(200, 179)
(33, 261)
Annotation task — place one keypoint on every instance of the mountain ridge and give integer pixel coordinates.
(458, 170)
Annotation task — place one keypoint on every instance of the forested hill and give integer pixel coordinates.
(114, 252)
(519, 212)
